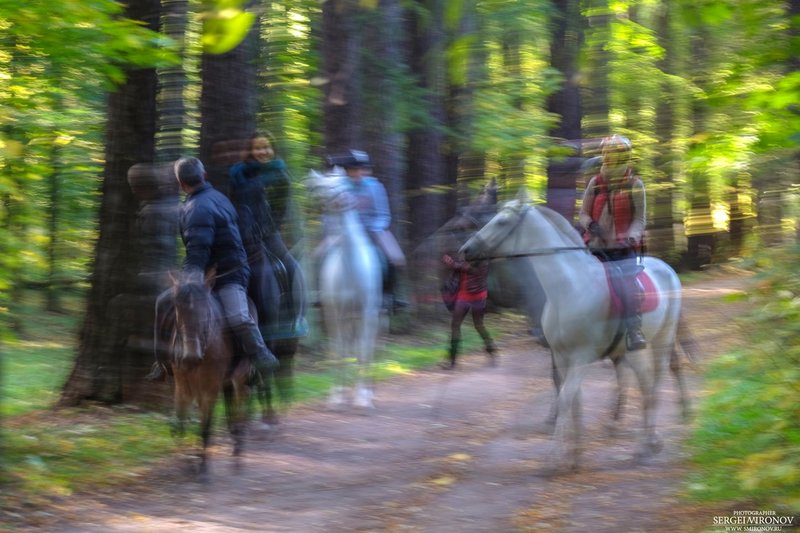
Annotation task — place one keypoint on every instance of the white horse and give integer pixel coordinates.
(577, 318)
(350, 289)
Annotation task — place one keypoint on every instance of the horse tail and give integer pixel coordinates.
(686, 340)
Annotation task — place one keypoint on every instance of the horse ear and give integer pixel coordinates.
(491, 190)
(523, 196)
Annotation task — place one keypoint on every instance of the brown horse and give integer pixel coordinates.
(203, 363)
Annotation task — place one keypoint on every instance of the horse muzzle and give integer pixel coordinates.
(474, 248)
(191, 351)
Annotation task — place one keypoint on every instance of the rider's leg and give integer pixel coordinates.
(391, 286)
(237, 315)
(632, 297)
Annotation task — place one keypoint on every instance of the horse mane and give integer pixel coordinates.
(562, 225)
(186, 289)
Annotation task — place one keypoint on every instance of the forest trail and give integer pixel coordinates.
(458, 451)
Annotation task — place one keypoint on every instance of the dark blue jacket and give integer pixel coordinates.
(260, 192)
(209, 230)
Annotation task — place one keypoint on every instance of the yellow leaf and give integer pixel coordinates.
(444, 481)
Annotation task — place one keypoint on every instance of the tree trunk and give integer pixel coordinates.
(111, 362)
(341, 65)
(172, 83)
(699, 225)
(563, 172)
(385, 143)
(595, 91)
(426, 181)
(662, 236)
(54, 190)
(228, 106)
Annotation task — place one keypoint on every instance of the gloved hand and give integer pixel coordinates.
(630, 242)
(595, 229)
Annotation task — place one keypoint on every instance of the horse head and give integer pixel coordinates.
(492, 238)
(195, 315)
(332, 190)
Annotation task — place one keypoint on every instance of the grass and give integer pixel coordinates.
(49, 453)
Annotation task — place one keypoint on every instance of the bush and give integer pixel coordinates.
(747, 443)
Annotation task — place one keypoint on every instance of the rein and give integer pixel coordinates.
(543, 251)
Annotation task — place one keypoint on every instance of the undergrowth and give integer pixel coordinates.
(746, 446)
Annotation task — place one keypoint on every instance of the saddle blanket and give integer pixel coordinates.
(649, 302)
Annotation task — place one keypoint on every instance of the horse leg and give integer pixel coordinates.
(268, 414)
(550, 421)
(366, 350)
(233, 417)
(677, 372)
(206, 408)
(336, 398)
(645, 364)
(619, 401)
(567, 441)
(183, 402)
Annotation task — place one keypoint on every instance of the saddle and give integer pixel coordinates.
(650, 296)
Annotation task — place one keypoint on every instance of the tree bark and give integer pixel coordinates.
(563, 171)
(426, 181)
(110, 362)
(662, 236)
(228, 106)
(341, 66)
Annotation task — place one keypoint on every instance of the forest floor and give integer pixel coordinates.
(458, 451)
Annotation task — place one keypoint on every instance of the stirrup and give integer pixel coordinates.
(157, 373)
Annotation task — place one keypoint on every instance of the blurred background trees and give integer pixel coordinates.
(444, 94)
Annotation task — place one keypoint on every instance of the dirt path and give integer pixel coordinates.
(444, 451)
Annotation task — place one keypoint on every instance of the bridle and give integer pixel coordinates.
(521, 214)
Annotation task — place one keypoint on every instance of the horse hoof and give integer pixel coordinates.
(336, 399)
(652, 447)
(363, 399)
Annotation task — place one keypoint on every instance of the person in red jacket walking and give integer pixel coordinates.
(613, 216)
(471, 295)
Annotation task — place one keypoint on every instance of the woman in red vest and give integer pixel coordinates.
(613, 218)
(470, 296)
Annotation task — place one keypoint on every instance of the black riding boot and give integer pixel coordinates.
(390, 288)
(254, 348)
(633, 316)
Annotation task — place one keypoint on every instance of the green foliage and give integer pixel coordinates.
(50, 453)
(225, 25)
(747, 443)
(56, 62)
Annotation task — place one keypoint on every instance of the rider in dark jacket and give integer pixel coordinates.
(209, 230)
(211, 236)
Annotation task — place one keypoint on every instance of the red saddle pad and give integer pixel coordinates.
(650, 301)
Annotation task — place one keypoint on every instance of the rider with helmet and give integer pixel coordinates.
(374, 212)
(613, 217)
